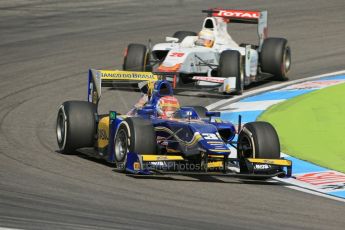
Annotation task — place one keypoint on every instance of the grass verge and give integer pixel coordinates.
(311, 127)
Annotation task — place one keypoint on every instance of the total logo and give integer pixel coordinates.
(239, 14)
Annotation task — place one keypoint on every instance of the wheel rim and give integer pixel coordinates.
(287, 60)
(246, 146)
(121, 145)
(61, 129)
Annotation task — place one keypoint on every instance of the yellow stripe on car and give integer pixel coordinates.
(221, 150)
(161, 158)
(215, 164)
(216, 156)
(281, 162)
(215, 142)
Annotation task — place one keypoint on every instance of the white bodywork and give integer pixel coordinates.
(188, 58)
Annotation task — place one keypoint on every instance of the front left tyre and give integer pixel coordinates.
(258, 139)
(135, 135)
(230, 65)
(75, 126)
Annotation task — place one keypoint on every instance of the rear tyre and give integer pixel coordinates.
(136, 58)
(275, 57)
(258, 140)
(230, 66)
(134, 135)
(182, 34)
(75, 126)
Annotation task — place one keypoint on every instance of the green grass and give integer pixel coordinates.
(312, 126)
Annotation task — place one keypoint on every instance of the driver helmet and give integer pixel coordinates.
(205, 38)
(167, 106)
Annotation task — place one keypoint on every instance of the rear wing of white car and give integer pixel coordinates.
(243, 16)
(106, 78)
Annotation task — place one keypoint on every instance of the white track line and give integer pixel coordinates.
(251, 106)
(315, 193)
(272, 87)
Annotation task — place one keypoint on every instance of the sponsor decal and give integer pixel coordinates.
(238, 14)
(124, 75)
(262, 166)
(112, 115)
(315, 84)
(209, 79)
(176, 54)
(268, 161)
(325, 181)
(136, 166)
(162, 158)
(103, 134)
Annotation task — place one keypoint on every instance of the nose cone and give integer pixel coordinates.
(173, 61)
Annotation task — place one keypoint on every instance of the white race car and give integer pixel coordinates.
(212, 58)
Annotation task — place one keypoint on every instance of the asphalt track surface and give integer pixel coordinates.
(46, 48)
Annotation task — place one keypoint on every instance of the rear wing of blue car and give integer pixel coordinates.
(107, 78)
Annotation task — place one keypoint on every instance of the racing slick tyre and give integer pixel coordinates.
(275, 57)
(200, 110)
(258, 140)
(76, 125)
(182, 34)
(230, 66)
(136, 58)
(134, 135)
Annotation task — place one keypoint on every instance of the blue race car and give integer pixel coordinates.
(161, 137)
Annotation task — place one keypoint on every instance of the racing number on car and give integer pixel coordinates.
(176, 54)
(210, 136)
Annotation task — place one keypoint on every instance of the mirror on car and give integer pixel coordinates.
(171, 39)
(212, 114)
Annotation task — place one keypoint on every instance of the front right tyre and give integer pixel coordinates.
(230, 65)
(275, 58)
(258, 140)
